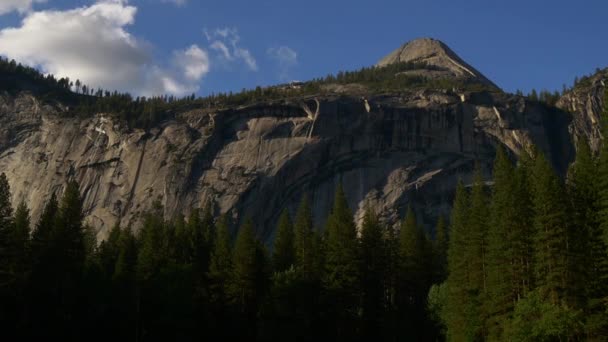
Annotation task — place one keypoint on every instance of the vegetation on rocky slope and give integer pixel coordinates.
(142, 112)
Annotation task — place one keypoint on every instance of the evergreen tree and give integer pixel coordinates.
(242, 287)
(509, 243)
(20, 250)
(42, 234)
(283, 256)
(41, 295)
(124, 294)
(373, 262)
(341, 277)
(108, 251)
(591, 265)
(413, 275)
(458, 312)
(220, 266)
(523, 227)
(303, 239)
(440, 251)
(67, 254)
(551, 233)
(152, 252)
(247, 283)
(501, 252)
(18, 241)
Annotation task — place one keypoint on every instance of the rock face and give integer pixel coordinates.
(389, 151)
(585, 101)
(434, 53)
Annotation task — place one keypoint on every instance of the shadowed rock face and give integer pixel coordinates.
(389, 151)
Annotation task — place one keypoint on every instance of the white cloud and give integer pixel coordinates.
(286, 59)
(93, 44)
(21, 6)
(225, 41)
(194, 61)
(178, 3)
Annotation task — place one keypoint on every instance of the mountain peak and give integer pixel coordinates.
(434, 53)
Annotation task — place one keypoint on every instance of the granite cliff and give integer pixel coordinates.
(389, 149)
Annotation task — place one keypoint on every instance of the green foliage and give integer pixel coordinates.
(220, 265)
(152, 254)
(536, 318)
(283, 256)
(373, 274)
(303, 240)
(440, 250)
(465, 280)
(411, 256)
(551, 232)
(436, 306)
(341, 267)
(341, 276)
(244, 280)
(502, 258)
(414, 274)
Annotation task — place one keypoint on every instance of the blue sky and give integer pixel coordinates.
(517, 44)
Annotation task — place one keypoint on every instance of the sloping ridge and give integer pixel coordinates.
(434, 53)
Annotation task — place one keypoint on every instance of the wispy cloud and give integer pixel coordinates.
(226, 43)
(178, 3)
(285, 57)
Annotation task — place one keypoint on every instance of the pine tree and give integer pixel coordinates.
(523, 230)
(247, 284)
(68, 231)
(67, 256)
(411, 253)
(550, 233)
(303, 239)
(373, 261)
(283, 256)
(18, 268)
(42, 233)
(440, 251)
(413, 278)
(20, 245)
(243, 278)
(43, 263)
(341, 277)
(592, 261)
(124, 289)
(108, 251)
(501, 253)
(126, 261)
(220, 266)
(459, 299)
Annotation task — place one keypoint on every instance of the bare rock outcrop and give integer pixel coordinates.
(434, 53)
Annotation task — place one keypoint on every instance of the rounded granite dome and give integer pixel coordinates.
(434, 53)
